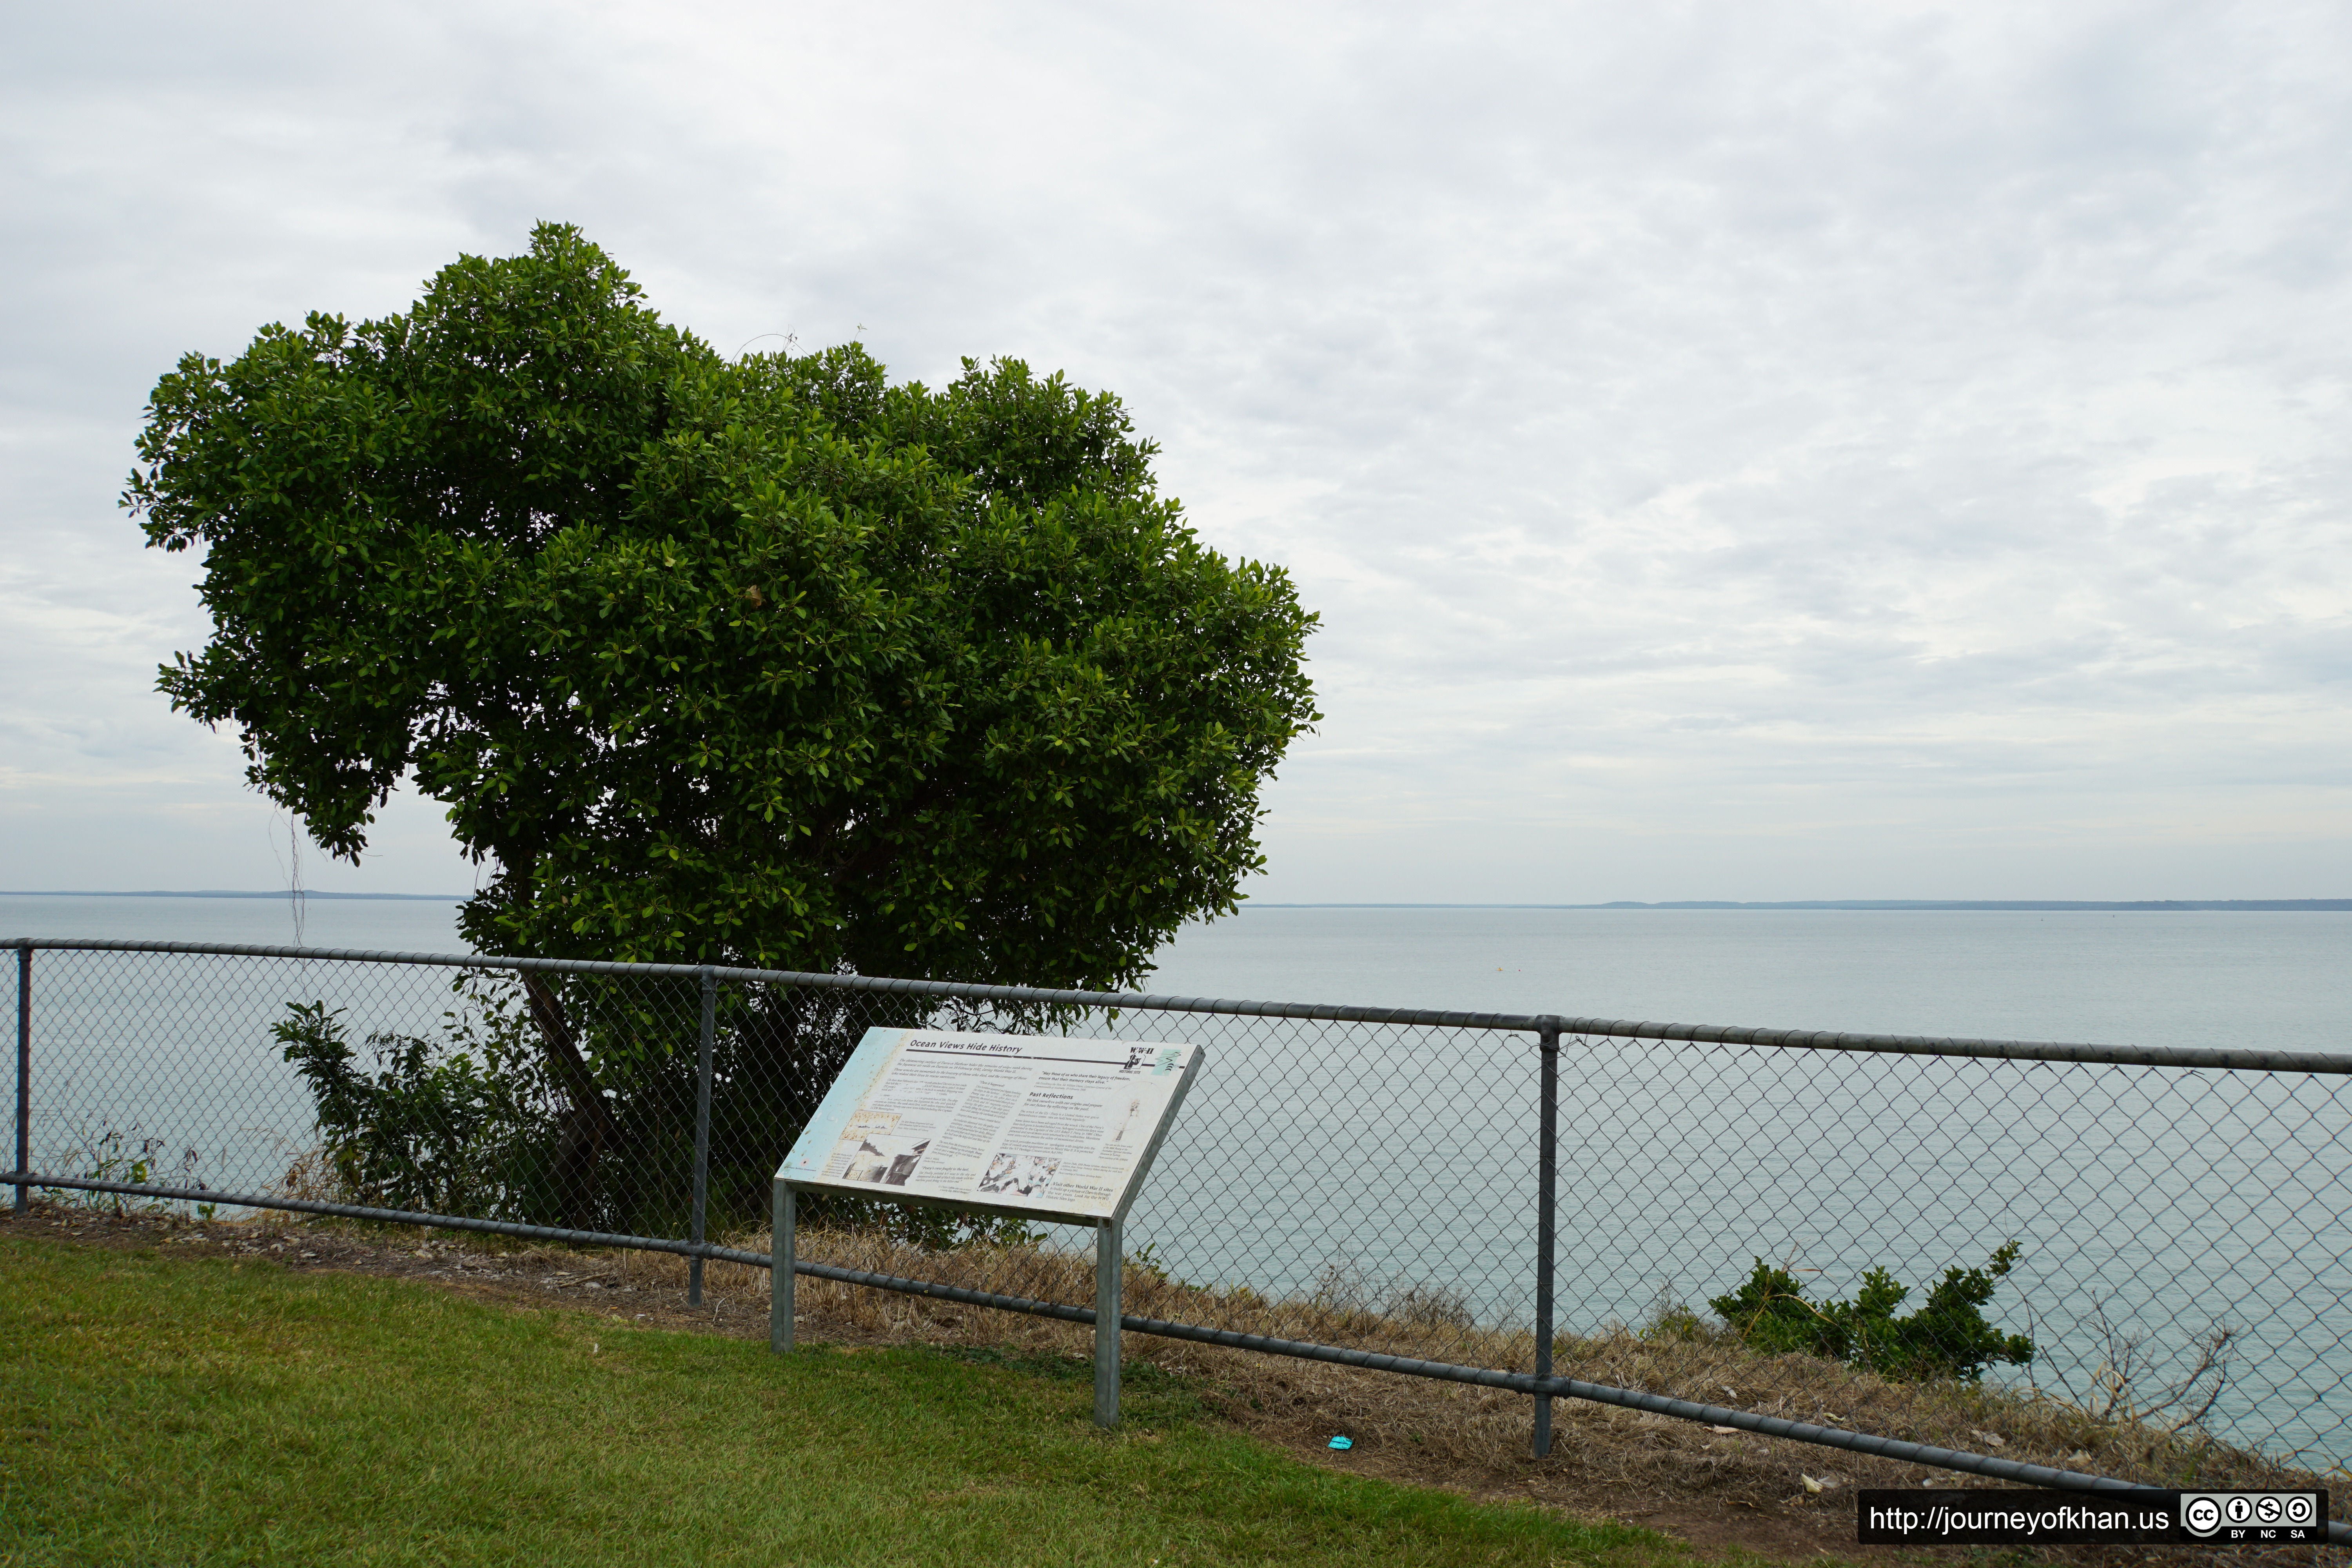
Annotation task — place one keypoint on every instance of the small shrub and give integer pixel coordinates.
(1947, 1337)
(432, 1128)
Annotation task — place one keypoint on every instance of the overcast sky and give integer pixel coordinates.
(1746, 451)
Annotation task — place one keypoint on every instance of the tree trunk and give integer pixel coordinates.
(587, 1128)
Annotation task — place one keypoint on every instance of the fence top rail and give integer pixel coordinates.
(941, 988)
(2215, 1059)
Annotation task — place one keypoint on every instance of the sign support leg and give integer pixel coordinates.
(1106, 1316)
(781, 1280)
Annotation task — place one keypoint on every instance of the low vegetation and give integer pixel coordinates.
(1477, 1438)
(1946, 1337)
(1710, 1486)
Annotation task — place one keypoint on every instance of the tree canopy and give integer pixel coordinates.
(762, 660)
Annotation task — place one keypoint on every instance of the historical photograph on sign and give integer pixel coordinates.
(875, 1149)
(1027, 1174)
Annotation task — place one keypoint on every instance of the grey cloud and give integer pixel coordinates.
(1699, 415)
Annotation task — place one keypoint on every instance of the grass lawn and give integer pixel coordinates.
(165, 1410)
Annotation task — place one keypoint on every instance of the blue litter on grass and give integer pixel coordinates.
(1343, 1442)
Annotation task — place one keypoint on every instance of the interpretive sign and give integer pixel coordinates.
(1036, 1125)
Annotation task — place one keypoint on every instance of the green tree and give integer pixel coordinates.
(762, 660)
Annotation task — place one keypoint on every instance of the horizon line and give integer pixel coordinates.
(216, 893)
(2134, 905)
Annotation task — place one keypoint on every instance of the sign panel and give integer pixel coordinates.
(1039, 1125)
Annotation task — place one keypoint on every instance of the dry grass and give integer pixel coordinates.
(1479, 1437)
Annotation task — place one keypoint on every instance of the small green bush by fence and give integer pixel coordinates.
(1947, 1337)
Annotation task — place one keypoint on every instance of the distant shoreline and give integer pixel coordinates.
(224, 893)
(2143, 906)
(2137, 906)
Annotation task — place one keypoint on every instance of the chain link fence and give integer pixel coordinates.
(1492, 1199)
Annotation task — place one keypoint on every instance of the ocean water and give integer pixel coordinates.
(2194, 978)
(2152, 1205)
(382, 925)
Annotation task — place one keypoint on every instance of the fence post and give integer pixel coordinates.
(1547, 1198)
(702, 1130)
(1108, 1309)
(24, 1069)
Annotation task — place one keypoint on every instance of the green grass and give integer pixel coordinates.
(166, 1410)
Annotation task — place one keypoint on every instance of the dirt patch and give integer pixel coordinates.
(1714, 1489)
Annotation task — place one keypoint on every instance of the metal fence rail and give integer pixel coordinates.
(1444, 1195)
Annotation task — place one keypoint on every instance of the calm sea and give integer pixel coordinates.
(2184, 979)
(384, 925)
(2152, 1204)
(2144, 978)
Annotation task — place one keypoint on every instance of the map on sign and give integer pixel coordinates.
(1034, 1124)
